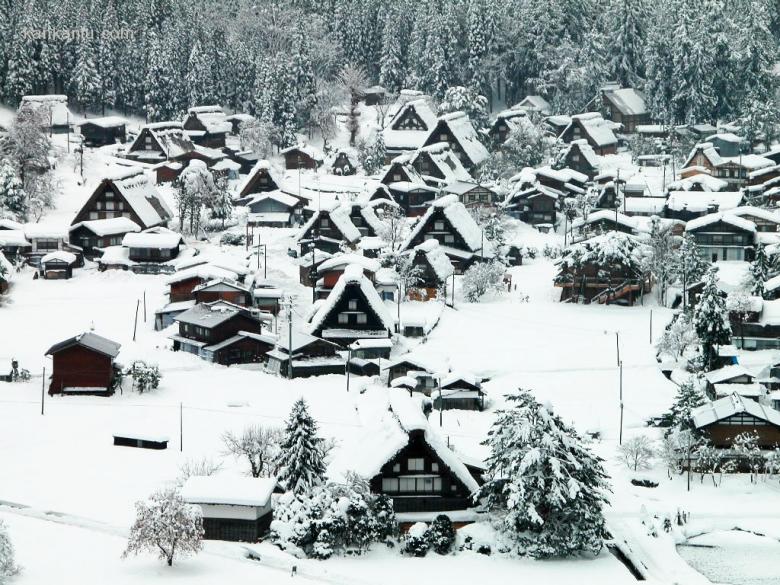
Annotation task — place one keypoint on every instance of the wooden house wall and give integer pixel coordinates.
(153, 254)
(352, 292)
(722, 435)
(222, 331)
(95, 207)
(99, 136)
(237, 297)
(261, 182)
(182, 290)
(430, 229)
(244, 351)
(88, 241)
(80, 367)
(296, 159)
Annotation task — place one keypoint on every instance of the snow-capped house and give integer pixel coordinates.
(153, 247)
(401, 171)
(344, 162)
(459, 392)
(603, 221)
(766, 221)
(698, 181)
(591, 127)
(261, 179)
(435, 268)
(267, 297)
(46, 238)
(126, 193)
(449, 222)
(331, 270)
(723, 419)
(302, 156)
(92, 235)
(207, 126)
(273, 209)
(303, 356)
(223, 333)
(534, 103)
(506, 123)
(352, 311)
(158, 142)
(83, 364)
(473, 195)
(728, 379)
(607, 268)
(237, 509)
(580, 156)
(403, 458)
(223, 289)
(328, 229)
(732, 169)
(411, 366)
(626, 106)
(56, 115)
(438, 165)
(723, 236)
(759, 328)
(58, 265)
(103, 131)
(308, 264)
(413, 198)
(688, 205)
(534, 204)
(408, 128)
(366, 215)
(13, 242)
(184, 282)
(456, 130)
(237, 121)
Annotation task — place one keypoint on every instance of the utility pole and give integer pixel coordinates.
(288, 305)
(651, 326)
(441, 403)
(349, 359)
(617, 346)
(181, 426)
(453, 290)
(43, 388)
(620, 439)
(135, 323)
(144, 306)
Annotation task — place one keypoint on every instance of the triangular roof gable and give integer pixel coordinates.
(140, 141)
(90, 341)
(408, 115)
(408, 174)
(106, 184)
(261, 168)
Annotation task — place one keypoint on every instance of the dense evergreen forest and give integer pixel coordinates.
(695, 61)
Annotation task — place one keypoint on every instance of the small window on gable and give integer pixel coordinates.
(397, 468)
(434, 467)
(438, 225)
(343, 318)
(352, 305)
(362, 318)
(416, 464)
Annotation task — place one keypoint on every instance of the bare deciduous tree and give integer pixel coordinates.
(637, 453)
(202, 467)
(257, 445)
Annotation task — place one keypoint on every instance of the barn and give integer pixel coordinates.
(83, 364)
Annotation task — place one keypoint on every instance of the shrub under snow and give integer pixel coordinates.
(416, 542)
(8, 566)
(482, 278)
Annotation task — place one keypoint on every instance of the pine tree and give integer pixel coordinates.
(13, 200)
(108, 53)
(547, 486)
(85, 83)
(392, 65)
(624, 41)
(710, 318)
(8, 566)
(20, 66)
(160, 100)
(198, 79)
(687, 264)
(759, 271)
(476, 42)
(301, 460)
(688, 397)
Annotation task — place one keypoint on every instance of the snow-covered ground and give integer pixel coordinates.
(76, 490)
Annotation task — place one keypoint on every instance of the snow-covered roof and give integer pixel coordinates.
(706, 181)
(151, 240)
(14, 238)
(534, 103)
(228, 490)
(205, 272)
(599, 129)
(456, 377)
(727, 373)
(372, 344)
(210, 315)
(311, 151)
(445, 160)
(90, 340)
(462, 130)
(260, 166)
(59, 256)
(753, 390)
(339, 215)
(606, 215)
(109, 226)
(60, 115)
(628, 101)
(142, 196)
(725, 217)
(10, 224)
(404, 382)
(727, 406)
(747, 161)
(169, 135)
(458, 216)
(585, 149)
(409, 139)
(277, 196)
(45, 230)
(341, 261)
(106, 122)
(697, 202)
(644, 205)
(439, 261)
(757, 212)
(353, 275)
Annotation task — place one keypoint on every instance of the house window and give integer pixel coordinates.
(148, 143)
(575, 157)
(396, 177)
(397, 468)
(93, 215)
(443, 137)
(438, 225)
(362, 318)
(434, 467)
(449, 239)
(389, 484)
(110, 205)
(48, 244)
(325, 223)
(407, 484)
(416, 464)
(352, 305)
(343, 318)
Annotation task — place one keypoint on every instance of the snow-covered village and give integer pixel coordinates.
(366, 291)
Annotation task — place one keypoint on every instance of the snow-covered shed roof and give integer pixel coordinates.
(442, 156)
(727, 406)
(706, 181)
(278, 196)
(59, 256)
(108, 226)
(404, 382)
(13, 238)
(727, 373)
(151, 240)
(210, 315)
(10, 224)
(34, 231)
(758, 212)
(339, 215)
(106, 122)
(311, 151)
(228, 490)
(628, 101)
(205, 272)
(585, 149)
(702, 201)
(353, 275)
(534, 103)
(725, 217)
(608, 215)
(341, 261)
(89, 340)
